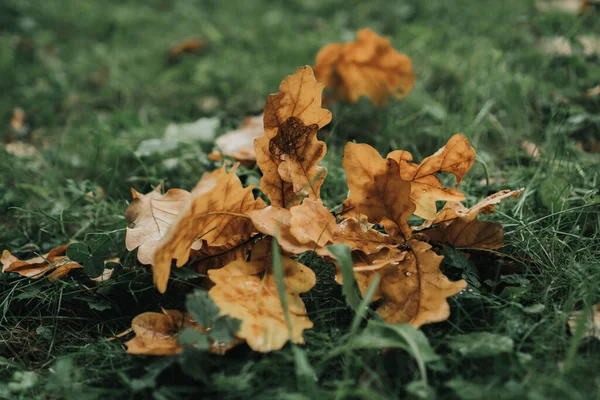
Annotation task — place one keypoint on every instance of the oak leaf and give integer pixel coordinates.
(239, 143)
(468, 232)
(55, 260)
(247, 291)
(150, 216)
(415, 290)
(456, 157)
(157, 334)
(289, 152)
(377, 189)
(310, 226)
(213, 213)
(369, 66)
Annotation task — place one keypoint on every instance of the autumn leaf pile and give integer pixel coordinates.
(222, 230)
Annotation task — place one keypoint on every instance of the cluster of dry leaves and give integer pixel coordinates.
(219, 223)
(219, 228)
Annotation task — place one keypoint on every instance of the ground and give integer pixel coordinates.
(94, 80)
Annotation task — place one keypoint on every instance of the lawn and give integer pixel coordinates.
(95, 80)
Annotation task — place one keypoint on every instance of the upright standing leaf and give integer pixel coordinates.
(369, 66)
(289, 153)
(456, 157)
(377, 189)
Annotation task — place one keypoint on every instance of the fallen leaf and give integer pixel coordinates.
(289, 152)
(24, 150)
(453, 210)
(369, 66)
(211, 257)
(214, 213)
(531, 149)
(239, 144)
(150, 216)
(595, 91)
(188, 46)
(586, 45)
(590, 319)
(55, 260)
(247, 291)
(157, 334)
(377, 189)
(468, 232)
(456, 157)
(415, 290)
(565, 6)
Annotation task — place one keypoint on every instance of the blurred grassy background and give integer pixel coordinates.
(95, 79)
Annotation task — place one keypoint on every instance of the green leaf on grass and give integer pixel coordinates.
(189, 336)
(482, 344)
(91, 254)
(224, 329)
(202, 308)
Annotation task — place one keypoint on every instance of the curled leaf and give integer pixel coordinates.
(377, 189)
(369, 66)
(55, 260)
(456, 157)
(215, 214)
(289, 153)
(247, 291)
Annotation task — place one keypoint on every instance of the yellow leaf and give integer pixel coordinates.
(247, 291)
(289, 153)
(456, 157)
(215, 214)
(376, 189)
(369, 66)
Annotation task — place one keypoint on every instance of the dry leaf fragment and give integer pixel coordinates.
(188, 46)
(453, 210)
(247, 291)
(531, 149)
(289, 152)
(369, 66)
(150, 216)
(214, 213)
(55, 260)
(456, 157)
(156, 334)
(591, 321)
(595, 91)
(415, 290)
(377, 189)
(239, 144)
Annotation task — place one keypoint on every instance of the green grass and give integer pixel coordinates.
(479, 72)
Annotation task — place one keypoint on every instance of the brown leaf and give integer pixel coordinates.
(468, 232)
(369, 66)
(415, 291)
(239, 144)
(188, 46)
(55, 261)
(211, 257)
(156, 334)
(376, 189)
(453, 210)
(214, 213)
(247, 291)
(456, 158)
(289, 153)
(150, 216)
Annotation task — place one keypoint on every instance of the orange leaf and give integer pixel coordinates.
(247, 291)
(150, 216)
(214, 214)
(156, 334)
(289, 153)
(239, 144)
(55, 261)
(369, 66)
(456, 157)
(377, 189)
